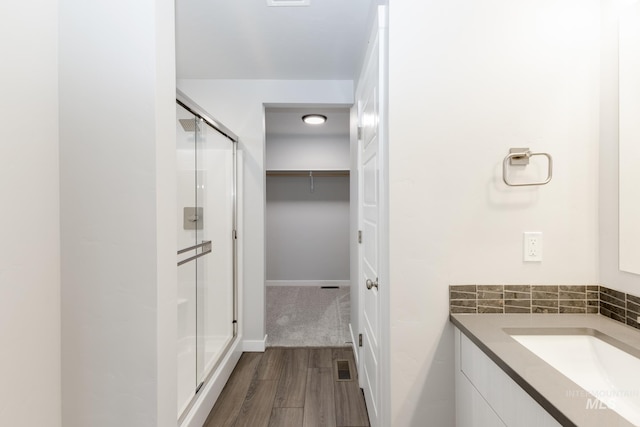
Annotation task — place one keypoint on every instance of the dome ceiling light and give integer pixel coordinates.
(314, 119)
(273, 3)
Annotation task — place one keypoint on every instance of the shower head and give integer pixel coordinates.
(189, 125)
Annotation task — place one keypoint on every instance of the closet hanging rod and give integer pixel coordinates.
(305, 173)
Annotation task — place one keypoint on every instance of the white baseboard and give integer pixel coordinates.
(255, 345)
(354, 343)
(318, 283)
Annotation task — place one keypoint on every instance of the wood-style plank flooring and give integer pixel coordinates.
(290, 387)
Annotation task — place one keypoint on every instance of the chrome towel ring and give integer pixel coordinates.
(521, 156)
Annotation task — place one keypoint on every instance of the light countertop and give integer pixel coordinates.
(561, 397)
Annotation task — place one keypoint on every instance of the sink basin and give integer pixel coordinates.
(596, 363)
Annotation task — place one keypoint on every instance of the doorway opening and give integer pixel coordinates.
(308, 222)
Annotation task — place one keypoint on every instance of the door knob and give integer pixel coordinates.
(371, 284)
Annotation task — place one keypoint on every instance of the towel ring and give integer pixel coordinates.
(521, 156)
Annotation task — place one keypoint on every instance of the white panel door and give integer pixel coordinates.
(370, 165)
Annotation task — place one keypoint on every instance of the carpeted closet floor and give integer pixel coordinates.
(307, 316)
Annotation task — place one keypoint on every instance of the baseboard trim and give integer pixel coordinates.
(354, 343)
(317, 283)
(255, 345)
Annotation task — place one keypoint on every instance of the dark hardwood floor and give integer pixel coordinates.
(291, 387)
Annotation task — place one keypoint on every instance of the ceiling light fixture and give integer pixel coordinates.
(314, 119)
(272, 3)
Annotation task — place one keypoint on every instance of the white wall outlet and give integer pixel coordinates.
(532, 250)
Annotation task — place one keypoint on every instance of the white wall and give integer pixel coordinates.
(628, 136)
(239, 104)
(308, 152)
(610, 274)
(307, 233)
(469, 80)
(117, 154)
(29, 218)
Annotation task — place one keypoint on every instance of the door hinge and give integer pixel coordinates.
(359, 236)
(234, 234)
(359, 132)
(359, 340)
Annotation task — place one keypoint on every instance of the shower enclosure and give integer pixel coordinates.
(206, 256)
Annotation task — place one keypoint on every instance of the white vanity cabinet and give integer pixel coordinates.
(487, 397)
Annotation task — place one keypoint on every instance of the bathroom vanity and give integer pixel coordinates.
(500, 382)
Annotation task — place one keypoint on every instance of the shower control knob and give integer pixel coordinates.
(371, 284)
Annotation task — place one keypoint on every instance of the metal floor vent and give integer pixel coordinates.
(343, 370)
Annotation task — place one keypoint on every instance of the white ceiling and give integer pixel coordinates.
(245, 39)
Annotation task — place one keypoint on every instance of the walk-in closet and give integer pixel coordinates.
(307, 227)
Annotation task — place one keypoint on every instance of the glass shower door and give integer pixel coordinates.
(205, 199)
(215, 196)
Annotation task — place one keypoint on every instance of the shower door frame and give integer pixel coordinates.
(188, 104)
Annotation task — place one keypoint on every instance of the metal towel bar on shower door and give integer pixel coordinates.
(521, 156)
(206, 248)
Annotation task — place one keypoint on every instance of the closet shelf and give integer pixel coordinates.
(305, 173)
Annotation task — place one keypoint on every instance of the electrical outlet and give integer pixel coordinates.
(532, 250)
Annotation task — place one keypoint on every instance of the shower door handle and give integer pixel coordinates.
(206, 249)
(371, 284)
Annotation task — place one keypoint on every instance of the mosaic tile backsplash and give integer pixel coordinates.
(581, 299)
